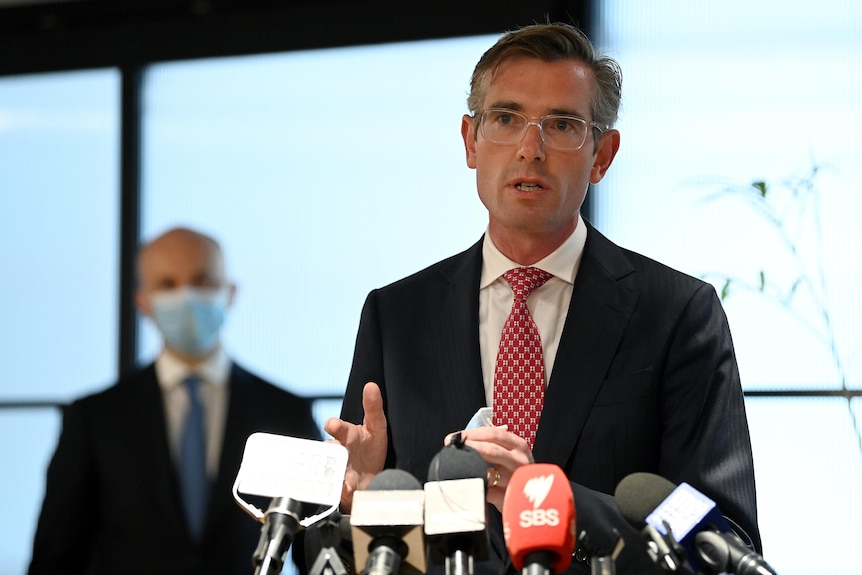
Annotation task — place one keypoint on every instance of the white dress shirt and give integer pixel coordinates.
(213, 392)
(548, 305)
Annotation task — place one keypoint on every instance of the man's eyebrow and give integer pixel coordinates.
(205, 276)
(514, 106)
(564, 112)
(508, 105)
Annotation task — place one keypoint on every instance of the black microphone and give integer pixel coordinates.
(726, 553)
(386, 525)
(636, 497)
(603, 564)
(455, 512)
(299, 475)
(281, 522)
(689, 522)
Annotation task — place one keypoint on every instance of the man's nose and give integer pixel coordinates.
(532, 144)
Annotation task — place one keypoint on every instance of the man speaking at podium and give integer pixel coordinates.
(593, 357)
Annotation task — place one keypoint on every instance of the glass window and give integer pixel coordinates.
(712, 102)
(740, 161)
(808, 470)
(325, 174)
(59, 248)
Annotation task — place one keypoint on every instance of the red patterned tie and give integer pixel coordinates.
(519, 379)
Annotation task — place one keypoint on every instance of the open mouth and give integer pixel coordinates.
(528, 187)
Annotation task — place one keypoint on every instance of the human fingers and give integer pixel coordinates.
(503, 451)
(346, 434)
(372, 404)
(497, 487)
(337, 428)
(498, 434)
(495, 444)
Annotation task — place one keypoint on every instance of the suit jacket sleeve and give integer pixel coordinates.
(700, 435)
(68, 517)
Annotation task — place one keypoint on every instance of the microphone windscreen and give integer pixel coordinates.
(455, 504)
(539, 516)
(393, 480)
(638, 494)
(457, 461)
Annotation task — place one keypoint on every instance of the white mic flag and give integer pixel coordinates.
(301, 469)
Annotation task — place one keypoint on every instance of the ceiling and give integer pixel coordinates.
(47, 35)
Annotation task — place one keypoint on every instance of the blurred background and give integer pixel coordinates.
(322, 139)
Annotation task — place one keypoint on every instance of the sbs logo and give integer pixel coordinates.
(536, 490)
(539, 517)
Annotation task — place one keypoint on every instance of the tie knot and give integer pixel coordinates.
(524, 281)
(191, 383)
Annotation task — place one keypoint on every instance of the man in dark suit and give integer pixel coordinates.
(114, 501)
(639, 372)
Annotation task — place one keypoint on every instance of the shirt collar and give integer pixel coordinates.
(562, 263)
(171, 371)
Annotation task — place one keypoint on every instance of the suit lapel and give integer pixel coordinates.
(598, 314)
(458, 341)
(457, 338)
(147, 417)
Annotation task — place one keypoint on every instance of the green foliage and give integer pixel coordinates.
(760, 187)
(790, 211)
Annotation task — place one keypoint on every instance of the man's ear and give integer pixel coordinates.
(142, 302)
(231, 294)
(468, 133)
(609, 144)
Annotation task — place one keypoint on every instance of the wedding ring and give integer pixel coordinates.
(496, 478)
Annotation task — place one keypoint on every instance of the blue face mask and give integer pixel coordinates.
(189, 319)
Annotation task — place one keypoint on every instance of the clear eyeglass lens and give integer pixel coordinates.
(508, 127)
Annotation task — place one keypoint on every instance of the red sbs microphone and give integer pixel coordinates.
(539, 519)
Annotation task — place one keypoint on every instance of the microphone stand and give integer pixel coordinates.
(607, 564)
(459, 562)
(328, 562)
(664, 550)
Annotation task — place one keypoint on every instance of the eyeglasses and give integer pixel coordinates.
(503, 126)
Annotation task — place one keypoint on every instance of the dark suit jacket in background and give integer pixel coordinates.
(645, 379)
(112, 502)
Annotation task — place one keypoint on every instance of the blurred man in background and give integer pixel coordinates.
(141, 479)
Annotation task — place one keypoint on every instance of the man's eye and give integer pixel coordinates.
(206, 282)
(563, 125)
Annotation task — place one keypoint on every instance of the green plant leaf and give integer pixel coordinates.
(761, 187)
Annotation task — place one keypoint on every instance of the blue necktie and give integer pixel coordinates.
(193, 461)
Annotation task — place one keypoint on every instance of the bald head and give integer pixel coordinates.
(180, 258)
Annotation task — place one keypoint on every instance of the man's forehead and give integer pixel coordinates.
(557, 86)
(166, 264)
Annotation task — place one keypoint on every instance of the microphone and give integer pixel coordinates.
(386, 525)
(281, 523)
(689, 522)
(603, 564)
(455, 514)
(539, 519)
(636, 496)
(292, 472)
